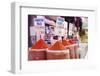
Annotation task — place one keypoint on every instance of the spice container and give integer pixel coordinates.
(35, 54)
(57, 51)
(38, 51)
(69, 44)
(73, 49)
(76, 47)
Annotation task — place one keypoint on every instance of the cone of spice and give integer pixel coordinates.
(40, 45)
(66, 43)
(57, 51)
(38, 51)
(71, 45)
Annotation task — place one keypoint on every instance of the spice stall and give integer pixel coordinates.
(56, 37)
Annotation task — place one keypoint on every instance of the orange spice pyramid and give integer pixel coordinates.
(57, 46)
(40, 45)
(65, 42)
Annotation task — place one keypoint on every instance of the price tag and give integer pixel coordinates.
(39, 22)
(60, 21)
(59, 29)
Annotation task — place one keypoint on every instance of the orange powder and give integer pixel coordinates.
(40, 45)
(57, 46)
(65, 42)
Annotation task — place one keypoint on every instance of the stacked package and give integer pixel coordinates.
(57, 51)
(38, 51)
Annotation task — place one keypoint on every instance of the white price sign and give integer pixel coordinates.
(39, 22)
(60, 21)
(59, 29)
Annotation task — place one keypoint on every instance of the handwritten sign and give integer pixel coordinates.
(60, 21)
(39, 22)
(59, 29)
(39, 25)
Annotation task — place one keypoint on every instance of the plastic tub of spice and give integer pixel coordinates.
(57, 51)
(38, 51)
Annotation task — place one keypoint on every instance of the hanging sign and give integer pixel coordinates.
(60, 21)
(39, 24)
(59, 29)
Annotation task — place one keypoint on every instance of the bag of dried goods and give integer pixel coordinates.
(38, 51)
(57, 51)
(73, 49)
(72, 46)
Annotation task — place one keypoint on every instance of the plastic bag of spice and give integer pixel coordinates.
(57, 51)
(73, 49)
(72, 46)
(35, 54)
(38, 51)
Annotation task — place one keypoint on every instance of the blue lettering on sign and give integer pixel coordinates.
(39, 21)
(60, 21)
